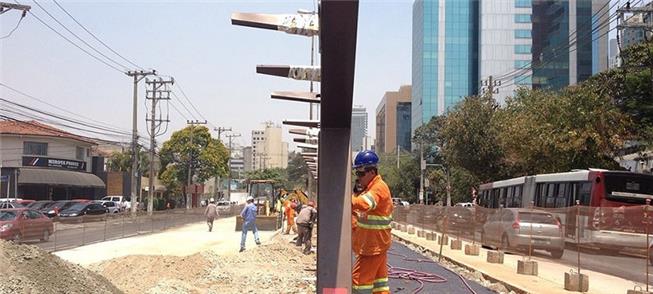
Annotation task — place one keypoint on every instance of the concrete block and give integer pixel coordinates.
(402, 228)
(411, 230)
(576, 282)
(443, 241)
(640, 291)
(456, 244)
(473, 250)
(495, 257)
(420, 233)
(393, 225)
(430, 236)
(527, 267)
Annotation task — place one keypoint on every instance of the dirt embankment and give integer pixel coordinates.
(275, 267)
(28, 269)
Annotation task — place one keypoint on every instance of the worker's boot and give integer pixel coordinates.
(242, 249)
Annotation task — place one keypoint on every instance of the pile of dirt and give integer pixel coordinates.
(277, 267)
(29, 269)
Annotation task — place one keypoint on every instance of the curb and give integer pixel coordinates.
(486, 275)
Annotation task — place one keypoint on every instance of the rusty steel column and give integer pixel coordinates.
(338, 28)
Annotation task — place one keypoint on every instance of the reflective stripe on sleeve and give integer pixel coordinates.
(369, 199)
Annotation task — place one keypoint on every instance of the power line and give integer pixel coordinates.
(16, 27)
(73, 43)
(184, 105)
(574, 40)
(177, 110)
(76, 36)
(95, 37)
(115, 128)
(192, 105)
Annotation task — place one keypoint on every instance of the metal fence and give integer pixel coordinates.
(610, 240)
(71, 232)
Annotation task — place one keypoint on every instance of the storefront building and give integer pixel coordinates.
(41, 162)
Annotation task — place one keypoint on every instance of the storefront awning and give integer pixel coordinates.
(58, 177)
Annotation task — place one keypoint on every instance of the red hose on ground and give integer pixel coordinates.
(419, 276)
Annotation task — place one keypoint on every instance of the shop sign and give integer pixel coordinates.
(54, 163)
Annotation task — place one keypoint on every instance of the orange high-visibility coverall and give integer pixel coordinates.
(372, 237)
(290, 218)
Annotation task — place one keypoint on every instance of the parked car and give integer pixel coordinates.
(515, 228)
(399, 202)
(460, 220)
(10, 204)
(38, 205)
(111, 206)
(118, 200)
(56, 207)
(23, 224)
(465, 204)
(10, 199)
(83, 212)
(25, 202)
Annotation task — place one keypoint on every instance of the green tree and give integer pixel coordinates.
(297, 172)
(206, 156)
(278, 175)
(548, 131)
(121, 161)
(403, 181)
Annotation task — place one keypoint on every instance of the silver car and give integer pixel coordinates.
(514, 228)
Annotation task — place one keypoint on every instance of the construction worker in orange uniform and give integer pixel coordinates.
(290, 218)
(372, 237)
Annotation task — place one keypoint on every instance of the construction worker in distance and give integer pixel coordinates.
(290, 218)
(372, 236)
(249, 222)
(211, 212)
(305, 221)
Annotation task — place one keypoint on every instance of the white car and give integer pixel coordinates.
(111, 206)
(465, 204)
(118, 200)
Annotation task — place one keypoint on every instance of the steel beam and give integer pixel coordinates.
(302, 123)
(338, 28)
(296, 96)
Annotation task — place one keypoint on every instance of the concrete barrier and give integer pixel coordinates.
(473, 250)
(430, 236)
(420, 233)
(456, 245)
(527, 267)
(576, 282)
(411, 230)
(402, 228)
(495, 257)
(443, 240)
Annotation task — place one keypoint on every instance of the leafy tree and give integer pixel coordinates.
(278, 175)
(545, 131)
(122, 161)
(207, 157)
(403, 181)
(297, 172)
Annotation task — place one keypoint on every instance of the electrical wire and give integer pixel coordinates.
(79, 38)
(420, 276)
(183, 105)
(73, 43)
(59, 108)
(193, 105)
(95, 37)
(16, 27)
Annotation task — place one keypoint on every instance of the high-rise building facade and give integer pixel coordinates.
(546, 44)
(358, 127)
(445, 37)
(393, 121)
(268, 148)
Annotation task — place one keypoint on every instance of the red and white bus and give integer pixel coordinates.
(611, 216)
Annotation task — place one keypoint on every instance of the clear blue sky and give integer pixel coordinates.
(213, 61)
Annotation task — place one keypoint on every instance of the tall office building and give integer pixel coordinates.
(546, 44)
(445, 52)
(268, 149)
(393, 121)
(358, 128)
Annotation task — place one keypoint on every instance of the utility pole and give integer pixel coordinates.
(134, 173)
(647, 27)
(398, 154)
(231, 136)
(217, 177)
(155, 128)
(422, 167)
(4, 7)
(192, 123)
(488, 86)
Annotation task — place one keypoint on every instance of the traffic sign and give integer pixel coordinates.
(4, 178)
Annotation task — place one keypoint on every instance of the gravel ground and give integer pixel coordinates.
(274, 267)
(28, 269)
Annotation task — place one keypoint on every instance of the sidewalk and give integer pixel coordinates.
(550, 278)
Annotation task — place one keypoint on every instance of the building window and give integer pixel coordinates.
(80, 153)
(522, 49)
(522, 64)
(523, 34)
(522, 18)
(523, 81)
(35, 148)
(523, 3)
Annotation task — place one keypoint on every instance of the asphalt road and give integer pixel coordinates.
(71, 235)
(401, 257)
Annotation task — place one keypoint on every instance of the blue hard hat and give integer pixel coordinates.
(366, 158)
